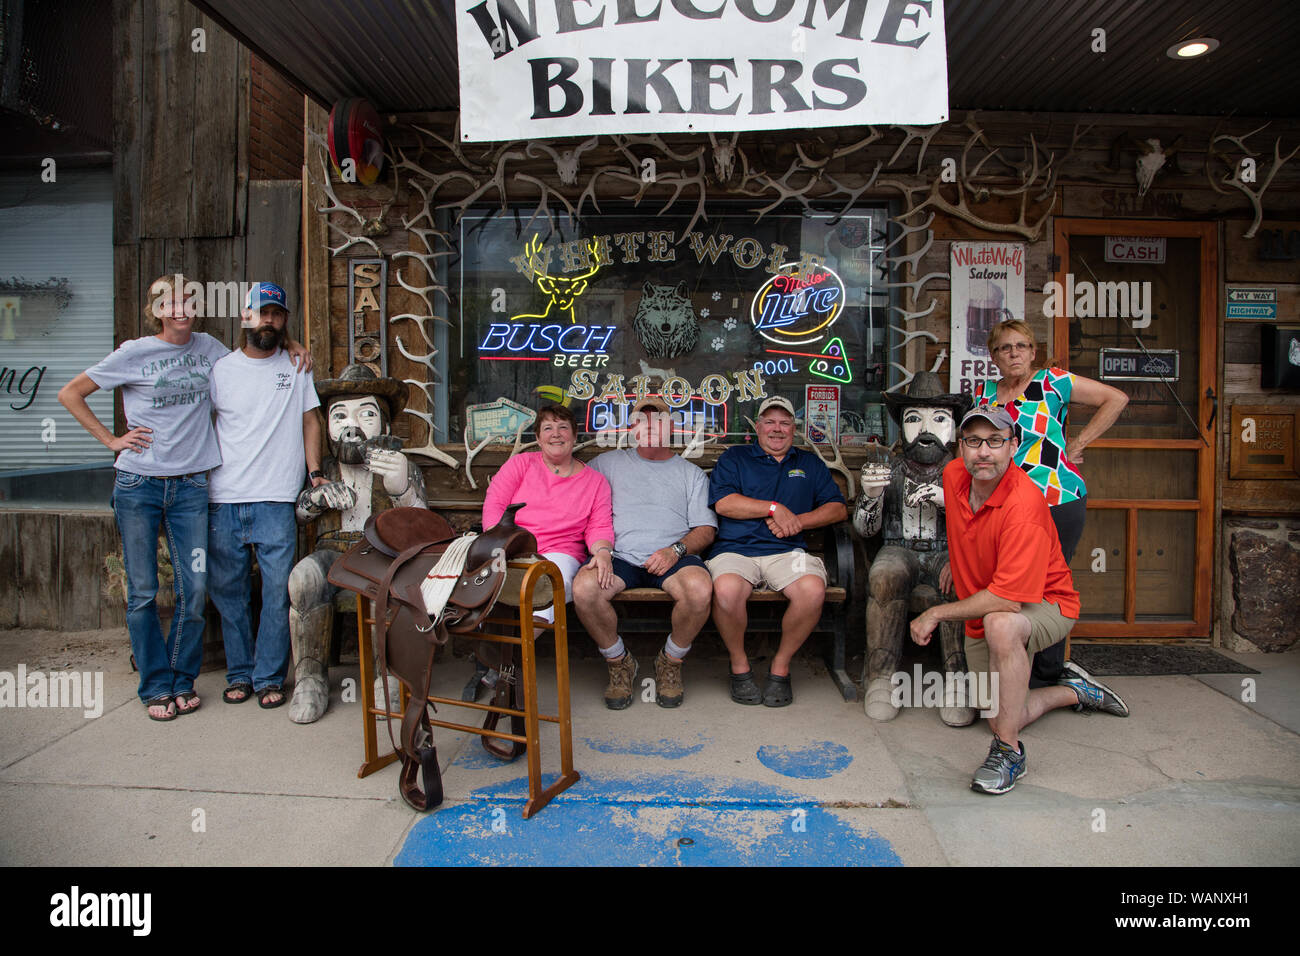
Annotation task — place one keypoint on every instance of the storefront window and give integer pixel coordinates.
(56, 320)
(733, 309)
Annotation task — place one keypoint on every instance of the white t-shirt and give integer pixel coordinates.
(259, 404)
(165, 388)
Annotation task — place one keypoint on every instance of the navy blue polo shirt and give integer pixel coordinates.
(800, 481)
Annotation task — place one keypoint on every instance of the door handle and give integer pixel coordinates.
(1214, 410)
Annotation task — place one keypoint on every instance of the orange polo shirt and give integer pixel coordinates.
(1009, 547)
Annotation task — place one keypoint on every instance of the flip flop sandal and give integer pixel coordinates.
(162, 700)
(744, 690)
(265, 692)
(778, 693)
(184, 698)
(247, 690)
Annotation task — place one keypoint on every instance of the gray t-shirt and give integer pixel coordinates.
(165, 387)
(655, 502)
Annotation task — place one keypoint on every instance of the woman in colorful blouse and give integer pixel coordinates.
(1039, 400)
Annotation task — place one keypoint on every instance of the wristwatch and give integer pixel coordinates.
(316, 474)
(679, 549)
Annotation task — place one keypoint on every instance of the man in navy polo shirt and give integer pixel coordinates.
(766, 496)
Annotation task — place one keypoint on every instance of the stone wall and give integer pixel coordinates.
(1261, 592)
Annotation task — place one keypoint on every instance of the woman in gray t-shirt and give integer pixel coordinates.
(162, 466)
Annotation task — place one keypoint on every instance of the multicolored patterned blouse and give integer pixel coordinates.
(1040, 418)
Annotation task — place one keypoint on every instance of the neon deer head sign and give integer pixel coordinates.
(563, 291)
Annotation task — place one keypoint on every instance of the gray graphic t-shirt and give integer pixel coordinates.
(655, 502)
(165, 387)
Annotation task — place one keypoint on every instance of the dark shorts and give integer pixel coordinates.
(635, 576)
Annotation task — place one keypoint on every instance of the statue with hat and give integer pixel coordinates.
(364, 473)
(903, 500)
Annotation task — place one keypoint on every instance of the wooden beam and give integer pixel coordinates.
(1130, 566)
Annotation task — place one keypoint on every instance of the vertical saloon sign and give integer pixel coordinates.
(550, 68)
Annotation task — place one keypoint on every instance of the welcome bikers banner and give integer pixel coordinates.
(549, 68)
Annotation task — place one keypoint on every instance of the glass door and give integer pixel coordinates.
(1138, 310)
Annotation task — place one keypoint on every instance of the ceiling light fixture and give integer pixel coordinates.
(1189, 49)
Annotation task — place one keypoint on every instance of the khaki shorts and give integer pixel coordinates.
(777, 571)
(1047, 626)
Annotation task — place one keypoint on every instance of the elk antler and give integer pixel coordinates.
(1256, 196)
(921, 133)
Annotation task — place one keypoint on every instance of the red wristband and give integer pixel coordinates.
(771, 510)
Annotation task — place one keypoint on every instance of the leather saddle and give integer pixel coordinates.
(399, 549)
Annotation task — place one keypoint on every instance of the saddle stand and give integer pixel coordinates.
(520, 631)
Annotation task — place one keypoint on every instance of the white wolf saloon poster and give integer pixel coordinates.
(988, 287)
(536, 69)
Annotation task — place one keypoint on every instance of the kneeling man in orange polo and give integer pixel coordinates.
(1014, 589)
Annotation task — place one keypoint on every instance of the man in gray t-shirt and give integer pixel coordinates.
(662, 523)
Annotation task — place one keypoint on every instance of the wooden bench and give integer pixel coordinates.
(833, 545)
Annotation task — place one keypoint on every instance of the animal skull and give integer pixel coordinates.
(724, 156)
(1151, 159)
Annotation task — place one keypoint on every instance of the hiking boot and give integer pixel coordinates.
(1000, 770)
(1092, 693)
(668, 681)
(622, 679)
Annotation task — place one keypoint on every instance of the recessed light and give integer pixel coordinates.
(1189, 49)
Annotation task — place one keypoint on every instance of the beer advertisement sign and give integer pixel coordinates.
(988, 287)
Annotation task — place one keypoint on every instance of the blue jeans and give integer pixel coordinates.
(179, 505)
(235, 533)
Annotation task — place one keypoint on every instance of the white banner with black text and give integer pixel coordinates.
(537, 69)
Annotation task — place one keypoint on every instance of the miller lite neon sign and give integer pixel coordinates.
(797, 306)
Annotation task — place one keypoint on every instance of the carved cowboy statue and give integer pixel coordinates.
(905, 499)
(365, 474)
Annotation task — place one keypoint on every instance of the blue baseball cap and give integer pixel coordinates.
(266, 293)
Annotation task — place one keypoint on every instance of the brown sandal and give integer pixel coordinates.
(184, 698)
(162, 700)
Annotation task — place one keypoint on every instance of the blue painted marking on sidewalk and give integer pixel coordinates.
(664, 747)
(642, 821)
(473, 757)
(814, 762)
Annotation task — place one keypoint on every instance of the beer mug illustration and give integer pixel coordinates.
(984, 311)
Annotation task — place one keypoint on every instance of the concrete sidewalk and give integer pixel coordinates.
(1195, 777)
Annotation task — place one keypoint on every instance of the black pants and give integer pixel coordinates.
(1068, 518)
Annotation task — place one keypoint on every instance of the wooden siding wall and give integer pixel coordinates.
(52, 571)
(183, 199)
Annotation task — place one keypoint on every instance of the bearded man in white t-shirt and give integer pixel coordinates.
(269, 433)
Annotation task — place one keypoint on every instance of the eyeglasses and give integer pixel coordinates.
(993, 441)
(1017, 347)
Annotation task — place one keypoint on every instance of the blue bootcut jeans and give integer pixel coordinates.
(180, 505)
(235, 533)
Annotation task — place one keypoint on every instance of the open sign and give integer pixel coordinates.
(1136, 365)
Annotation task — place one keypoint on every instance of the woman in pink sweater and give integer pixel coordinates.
(567, 504)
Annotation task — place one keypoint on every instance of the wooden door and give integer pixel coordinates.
(1143, 566)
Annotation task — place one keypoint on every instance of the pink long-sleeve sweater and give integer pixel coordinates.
(564, 514)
